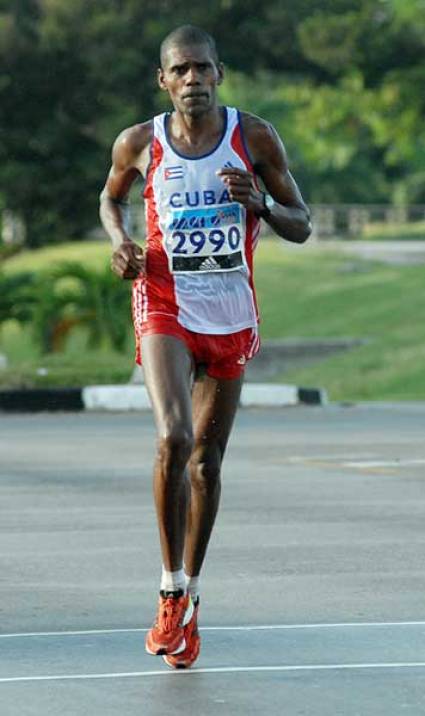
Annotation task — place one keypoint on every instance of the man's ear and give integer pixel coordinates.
(160, 78)
(220, 70)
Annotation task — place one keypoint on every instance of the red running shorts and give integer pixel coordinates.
(224, 356)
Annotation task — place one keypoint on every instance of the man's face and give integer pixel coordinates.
(190, 76)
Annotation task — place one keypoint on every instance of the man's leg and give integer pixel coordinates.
(214, 406)
(167, 365)
(215, 403)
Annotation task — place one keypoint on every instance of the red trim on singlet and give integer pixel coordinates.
(252, 222)
(238, 145)
(159, 287)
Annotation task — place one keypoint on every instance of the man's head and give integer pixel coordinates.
(190, 70)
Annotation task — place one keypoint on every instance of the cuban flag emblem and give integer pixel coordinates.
(173, 173)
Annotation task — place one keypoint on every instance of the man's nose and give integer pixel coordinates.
(192, 76)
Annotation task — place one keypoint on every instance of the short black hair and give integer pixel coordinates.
(188, 35)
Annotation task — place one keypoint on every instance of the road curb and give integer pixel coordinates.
(36, 400)
(135, 397)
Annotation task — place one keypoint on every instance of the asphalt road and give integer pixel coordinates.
(313, 591)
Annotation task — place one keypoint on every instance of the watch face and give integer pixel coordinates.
(269, 201)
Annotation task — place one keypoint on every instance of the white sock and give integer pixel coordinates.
(173, 581)
(192, 585)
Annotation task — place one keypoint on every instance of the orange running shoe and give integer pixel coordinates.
(185, 659)
(175, 610)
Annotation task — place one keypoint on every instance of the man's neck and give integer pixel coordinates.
(194, 131)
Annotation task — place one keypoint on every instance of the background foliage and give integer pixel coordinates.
(68, 334)
(341, 80)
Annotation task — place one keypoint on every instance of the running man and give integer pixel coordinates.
(194, 305)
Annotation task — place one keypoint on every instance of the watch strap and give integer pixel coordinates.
(265, 212)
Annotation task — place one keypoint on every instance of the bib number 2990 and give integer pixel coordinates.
(213, 241)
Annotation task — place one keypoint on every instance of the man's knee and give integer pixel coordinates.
(205, 469)
(175, 445)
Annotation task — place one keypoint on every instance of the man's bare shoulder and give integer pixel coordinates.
(132, 142)
(257, 128)
(261, 137)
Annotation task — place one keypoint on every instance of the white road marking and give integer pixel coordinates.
(256, 627)
(216, 670)
(357, 463)
(330, 458)
(383, 463)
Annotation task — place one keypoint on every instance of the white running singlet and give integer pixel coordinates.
(200, 244)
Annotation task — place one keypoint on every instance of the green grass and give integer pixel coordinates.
(67, 369)
(93, 254)
(76, 366)
(306, 293)
(302, 293)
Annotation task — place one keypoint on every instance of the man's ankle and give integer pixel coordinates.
(193, 587)
(173, 581)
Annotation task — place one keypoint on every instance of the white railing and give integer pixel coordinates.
(329, 221)
(340, 220)
(351, 220)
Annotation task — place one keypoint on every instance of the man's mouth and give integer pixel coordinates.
(195, 95)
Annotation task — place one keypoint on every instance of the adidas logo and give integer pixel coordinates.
(209, 264)
(241, 361)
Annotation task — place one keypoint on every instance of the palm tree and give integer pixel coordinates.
(16, 297)
(71, 296)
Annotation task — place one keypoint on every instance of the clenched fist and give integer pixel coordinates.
(128, 261)
(241, 188)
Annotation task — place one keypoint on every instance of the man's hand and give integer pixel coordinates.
(241, 188)
(128, 261)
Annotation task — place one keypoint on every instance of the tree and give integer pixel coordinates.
(75, 74)
(380, 45)
(17, 297)
(73, 297)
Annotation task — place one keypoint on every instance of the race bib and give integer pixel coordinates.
(205, 239)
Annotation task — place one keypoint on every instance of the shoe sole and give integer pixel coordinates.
(162, 651)
(177, 666)
(180, 665)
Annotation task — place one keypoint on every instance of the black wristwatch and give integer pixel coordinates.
(268, 203)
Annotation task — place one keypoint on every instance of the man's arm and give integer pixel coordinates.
(289, 216)
(128, 162)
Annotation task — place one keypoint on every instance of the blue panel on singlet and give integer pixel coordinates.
(204, 218)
